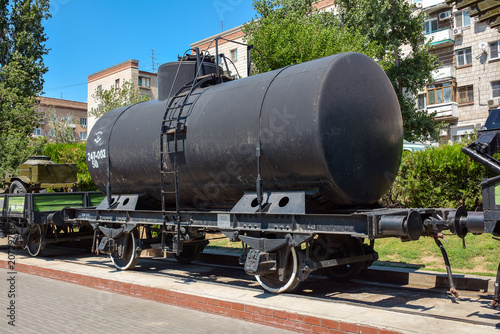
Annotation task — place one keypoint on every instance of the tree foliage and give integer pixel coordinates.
(72, 153)
(395, 27)
(288, 32)
(115, 98)
(440, 177)
(22, 47)
(61, 128)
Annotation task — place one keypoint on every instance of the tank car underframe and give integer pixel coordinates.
(282, 247)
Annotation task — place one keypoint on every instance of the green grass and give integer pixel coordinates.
(481, 257)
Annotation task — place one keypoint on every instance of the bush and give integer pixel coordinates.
(72, 153)
(439, 177)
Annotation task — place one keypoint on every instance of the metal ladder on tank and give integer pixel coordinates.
(173, 125)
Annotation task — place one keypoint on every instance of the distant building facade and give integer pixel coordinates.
(113, 78)
(467, 83)
(76, 111)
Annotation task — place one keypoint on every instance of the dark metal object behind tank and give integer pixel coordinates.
(331, 127)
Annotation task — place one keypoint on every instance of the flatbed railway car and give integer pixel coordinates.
(34, 219)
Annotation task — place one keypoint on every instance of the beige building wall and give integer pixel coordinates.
(113, 78)
(480, 74)
(236, 52)
(63, 108)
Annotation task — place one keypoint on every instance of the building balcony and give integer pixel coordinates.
(440, 38)
(445, 73)
(447, 111)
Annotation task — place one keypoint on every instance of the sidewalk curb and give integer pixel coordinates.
(261, 315)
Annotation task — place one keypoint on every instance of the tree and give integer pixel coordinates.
(393, 25)
(22, 47)
(61, 128)
(115, 98)
(288, 32)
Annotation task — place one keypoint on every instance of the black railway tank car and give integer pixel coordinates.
(289, 162)
(331, 126)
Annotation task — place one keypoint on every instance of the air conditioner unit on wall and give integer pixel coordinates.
(493, 103)
(457, 31)
(445, 15)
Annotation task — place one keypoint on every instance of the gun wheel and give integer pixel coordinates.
(18, 187)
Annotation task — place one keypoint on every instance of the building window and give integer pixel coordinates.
(83, 122)
(440, 93)
(41, 117)
(465, 94)
(144, 82)
(234, 54)
(52, 133)
(99, 88)
(464, 57)
(462, 19)
(117, 84)
(495, 50)
(431, 26)
(37, 131)
(495, 89)
(421, 99)
(83, 135)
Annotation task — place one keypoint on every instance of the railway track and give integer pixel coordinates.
(472, 307)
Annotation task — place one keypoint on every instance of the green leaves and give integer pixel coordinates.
(72, 153)
(115, 98)
(442, 177)
(290, 32)
(287, 32)
(402, 54)
(61, 128)
(22, 49)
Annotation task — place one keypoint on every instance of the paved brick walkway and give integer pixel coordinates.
(44, 305)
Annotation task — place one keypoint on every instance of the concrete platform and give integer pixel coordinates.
(357, 310)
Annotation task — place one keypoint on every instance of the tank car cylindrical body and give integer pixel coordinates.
(332, 126)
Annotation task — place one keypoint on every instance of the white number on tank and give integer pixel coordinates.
(95, 156)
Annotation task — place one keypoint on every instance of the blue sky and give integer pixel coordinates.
(86, 36)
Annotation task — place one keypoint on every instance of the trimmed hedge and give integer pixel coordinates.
(72, 153)
(437, 177)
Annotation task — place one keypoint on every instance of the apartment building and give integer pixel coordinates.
(74, 111)
(114, 77)
(467, 83)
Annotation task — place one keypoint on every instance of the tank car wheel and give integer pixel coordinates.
(328, 247)
(34, 244)
(130, 256)
(290, 280)
(18, 187)
(189, 253)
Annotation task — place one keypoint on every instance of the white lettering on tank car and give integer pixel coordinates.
(95, 156)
